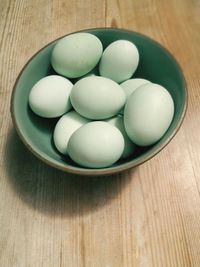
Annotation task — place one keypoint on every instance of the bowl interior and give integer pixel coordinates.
(156, 65)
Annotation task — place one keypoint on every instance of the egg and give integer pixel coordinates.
(65, 127)
(148, 113)
(119, 61)
(130, 85)
(76, 54)
(50, 96)
(96, 144)
(97, 97)
(129, 146)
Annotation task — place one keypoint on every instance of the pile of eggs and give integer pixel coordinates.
(101, 118)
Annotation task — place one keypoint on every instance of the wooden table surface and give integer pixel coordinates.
(149, 216)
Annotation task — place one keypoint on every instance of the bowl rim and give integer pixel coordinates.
(113, 169)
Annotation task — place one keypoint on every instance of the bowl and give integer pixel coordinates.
(156, 64)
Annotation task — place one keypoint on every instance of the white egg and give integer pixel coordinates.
(76, 54)
(129, 146)
(148, 114)
(97, 97)
(49, 97)
(96, 144)
(65, 127)
(130, 85)
(119, 61)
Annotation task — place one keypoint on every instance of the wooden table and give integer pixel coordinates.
(149, 216)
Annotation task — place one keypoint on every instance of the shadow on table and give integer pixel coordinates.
(54, 192)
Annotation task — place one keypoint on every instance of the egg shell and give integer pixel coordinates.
(129, 146)
(65, 127)
(119, 61)
(97, 144)
(76, 54)
(50, 96)
(148, 114)
(130, 85)
(97, 97)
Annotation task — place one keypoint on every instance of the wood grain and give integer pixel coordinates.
(147, 217)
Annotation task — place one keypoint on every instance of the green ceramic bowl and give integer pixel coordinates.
(156, 64)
